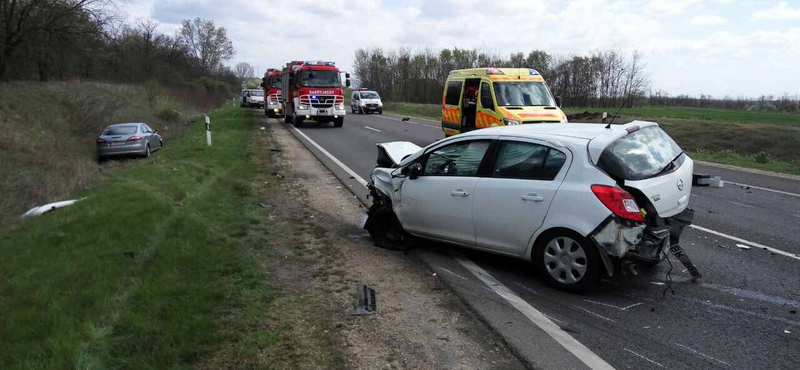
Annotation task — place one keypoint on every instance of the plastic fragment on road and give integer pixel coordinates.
(38, 211)
(787, 331)
(367, 305)
(742, 246)
(657, 283)
(716, 182)
(701, 179)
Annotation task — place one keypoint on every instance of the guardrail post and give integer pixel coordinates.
(208, 131)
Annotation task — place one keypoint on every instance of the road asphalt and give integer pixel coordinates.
(741, 315)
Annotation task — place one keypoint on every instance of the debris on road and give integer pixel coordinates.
(717, 182)
(38, 211)
(657, 283)
(742, 246)
(701, 179)
(724, 246)
(366, 301)
(787, 331)
(265, 205)
(405, 119)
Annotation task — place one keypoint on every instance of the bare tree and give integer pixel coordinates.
(244, 71)
(208, 43)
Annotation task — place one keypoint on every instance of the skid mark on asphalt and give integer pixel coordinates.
(644, 358)
(702, 354)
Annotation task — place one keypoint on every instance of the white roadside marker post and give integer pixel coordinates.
(208, 131)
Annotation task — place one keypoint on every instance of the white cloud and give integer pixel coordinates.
(719, 59)
(780, 11)
(707, 20)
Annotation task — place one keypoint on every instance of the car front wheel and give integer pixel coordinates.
(386, 230)
(567, 261)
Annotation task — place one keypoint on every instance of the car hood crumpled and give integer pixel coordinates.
(396, 151)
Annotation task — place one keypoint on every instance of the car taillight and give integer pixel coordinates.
(134, 138)
(100, 140)
(619, 202)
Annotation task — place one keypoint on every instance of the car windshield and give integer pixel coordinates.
(369, 95)
(120, 130)
(639, 155)
(257, 93)
(523, 94)
(320, 79)
(276, 82)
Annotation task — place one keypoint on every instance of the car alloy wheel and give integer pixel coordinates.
(565, 260)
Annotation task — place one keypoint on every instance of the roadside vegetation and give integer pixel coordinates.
(153, 269)
(754, 139)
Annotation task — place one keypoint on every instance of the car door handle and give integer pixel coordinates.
(532, 198)
(459, 193)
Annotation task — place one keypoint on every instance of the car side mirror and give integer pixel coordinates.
(558, 101)
(155, 131)
(347, 82)
(414, 171)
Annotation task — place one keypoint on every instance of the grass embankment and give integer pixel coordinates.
(761, 140)
(154, 269)
(48, 132)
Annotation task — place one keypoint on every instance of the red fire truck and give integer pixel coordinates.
(313, 90)
(273, 103)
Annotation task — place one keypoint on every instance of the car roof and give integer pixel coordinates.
(595, 136)
(127, 124)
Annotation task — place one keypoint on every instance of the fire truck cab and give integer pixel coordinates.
(313, 90)
(273, 102)
(486, 97)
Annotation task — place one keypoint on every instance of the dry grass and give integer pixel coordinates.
(47, 134)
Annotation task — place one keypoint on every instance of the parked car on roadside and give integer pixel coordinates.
(128, 139)
(578, 200)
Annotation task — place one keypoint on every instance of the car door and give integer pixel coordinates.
(514, 199)
(438, 203)
(487, 116)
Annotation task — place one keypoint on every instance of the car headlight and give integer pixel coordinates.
(362, 103)
(340, 107)
(302, 107)
(510, 122)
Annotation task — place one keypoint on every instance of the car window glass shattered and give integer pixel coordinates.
(461, 159)
(639, 155)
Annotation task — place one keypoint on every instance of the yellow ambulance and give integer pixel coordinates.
(486, 97)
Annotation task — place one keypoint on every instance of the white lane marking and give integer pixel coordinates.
(765, 189)
(373, 129)
(702, 354)
(742, 204)
(331, 157)
(595, 314)
(452, 273)
(592, 360)
(526, 288)
(555, 319)
(740, 240)
(644, 358)
(611, 305)
(580, 351)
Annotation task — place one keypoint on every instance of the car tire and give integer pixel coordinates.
(102, 158)
(567, 261)
(287, 118)
(352, 110)
(297, 120)
(386, 230)
(160, 143)
(147, 151)
(338, 122)
(361, 110)
(380, 111)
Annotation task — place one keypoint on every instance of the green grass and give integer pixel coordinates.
(154, 269)
(429, 111)
(702, 114)
(759, 161)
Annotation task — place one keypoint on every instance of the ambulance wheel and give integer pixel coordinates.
(338, 122)
(297, 120)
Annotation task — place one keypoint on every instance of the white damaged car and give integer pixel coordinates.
(578, 200)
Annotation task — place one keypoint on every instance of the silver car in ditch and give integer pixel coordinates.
(128, 139)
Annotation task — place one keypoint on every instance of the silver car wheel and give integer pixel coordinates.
(565, 260)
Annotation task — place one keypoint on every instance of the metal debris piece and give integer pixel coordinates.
(657, 283)
(37, 211)
(701, 179)
(742, 246)
(367, 305)
(724, 246)
(678, 252)
(787, 331)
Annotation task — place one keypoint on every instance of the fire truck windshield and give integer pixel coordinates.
(276, 82)
(320, 79)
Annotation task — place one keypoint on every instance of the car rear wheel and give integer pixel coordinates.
(160, 143)
(147, 151)
(567, 261)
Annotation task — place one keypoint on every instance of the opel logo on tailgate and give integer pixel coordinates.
(680, 184)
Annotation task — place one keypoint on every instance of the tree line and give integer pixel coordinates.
(85, 39)
(600, 79)
(782, 103)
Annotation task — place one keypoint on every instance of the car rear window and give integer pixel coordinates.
(639, 155)
(120, 130)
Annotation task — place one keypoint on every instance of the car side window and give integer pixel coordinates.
(142, 129)
(459, 159)
(528, 161)
(453, 93)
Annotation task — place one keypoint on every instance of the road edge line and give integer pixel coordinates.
(583, 353)
(331, 157)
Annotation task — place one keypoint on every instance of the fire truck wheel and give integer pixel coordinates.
(338, 122)
(298, 120)
(287, 118)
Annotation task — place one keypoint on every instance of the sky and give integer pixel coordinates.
(717, 47)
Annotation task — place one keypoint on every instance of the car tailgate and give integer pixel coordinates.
(669, 193)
